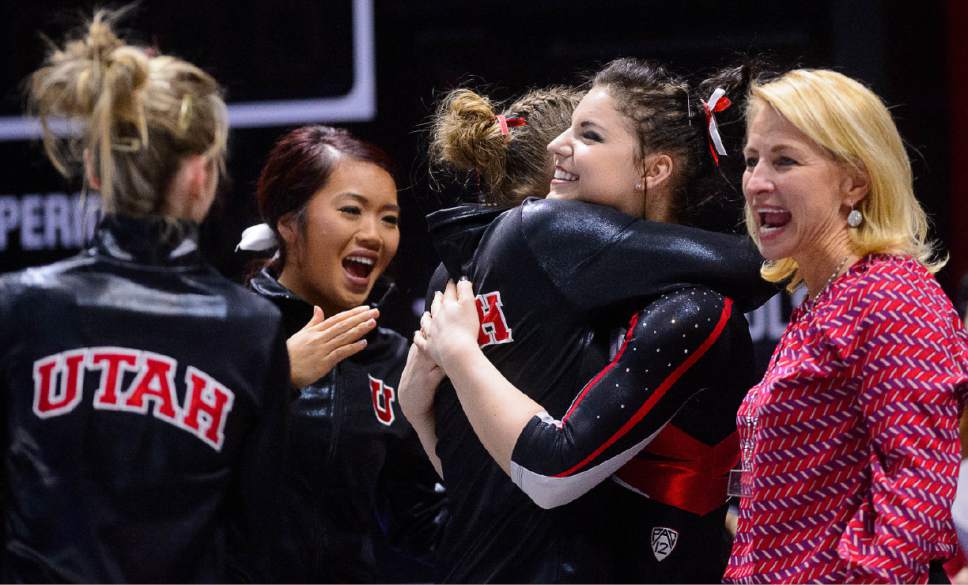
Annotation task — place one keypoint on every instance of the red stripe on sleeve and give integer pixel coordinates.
(659, 392)
(628, 336)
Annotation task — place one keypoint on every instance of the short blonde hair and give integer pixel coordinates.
(853, 125)
(139, 112)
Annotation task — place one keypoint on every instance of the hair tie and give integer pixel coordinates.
(505, 122)
(257, 238)
(126, 145)
(717, 103)
(184, 113)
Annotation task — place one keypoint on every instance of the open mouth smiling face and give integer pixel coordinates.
(772, 220)
(349, 236)
(796, 193)
(359, 266)
(595, 158)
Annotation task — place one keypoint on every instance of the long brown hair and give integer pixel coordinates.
(666, 114)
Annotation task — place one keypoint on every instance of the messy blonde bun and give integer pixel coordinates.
(467, 137)
(136, 113)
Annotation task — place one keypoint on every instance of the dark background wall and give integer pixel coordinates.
(908, 52)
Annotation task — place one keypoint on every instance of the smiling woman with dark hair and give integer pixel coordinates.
(526, 445)
(359, 494)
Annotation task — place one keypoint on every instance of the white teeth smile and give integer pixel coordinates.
(361, 260)
(562, 175)
(772, 218)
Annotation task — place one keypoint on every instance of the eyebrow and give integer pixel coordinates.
(362, 199)
(587, 123)
(784, 146)
(775, 148)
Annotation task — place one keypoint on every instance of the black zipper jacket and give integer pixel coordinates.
(142, 414)
(547, 273)
(360, 497)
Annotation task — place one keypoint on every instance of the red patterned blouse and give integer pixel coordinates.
(850, 442)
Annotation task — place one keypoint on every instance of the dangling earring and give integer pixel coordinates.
(855, 217)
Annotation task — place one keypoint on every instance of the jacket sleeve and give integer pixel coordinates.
(256, 513)
(415, 500)
(626, 405)
(438, 282)
(599, 257)
(909, 374)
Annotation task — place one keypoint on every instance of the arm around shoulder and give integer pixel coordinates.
(659, 367)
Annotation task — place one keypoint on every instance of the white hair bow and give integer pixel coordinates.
(257, 238)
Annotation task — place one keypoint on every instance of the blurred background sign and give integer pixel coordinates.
(285, 63)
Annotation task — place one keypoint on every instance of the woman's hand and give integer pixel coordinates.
(451, 328)
(497, 411)
(418, 384)
(416, 392)
(315, 349)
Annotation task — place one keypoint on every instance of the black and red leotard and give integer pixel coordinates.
(544, 273)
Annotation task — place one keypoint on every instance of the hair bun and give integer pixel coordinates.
(100, 40)
(128, 66)
(76, 76)
(140, 113)
(466, 135)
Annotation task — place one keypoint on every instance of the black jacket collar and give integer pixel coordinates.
(457, 231)
(151, 240)
(295, 311)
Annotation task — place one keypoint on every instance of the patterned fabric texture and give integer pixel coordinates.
(850, 442)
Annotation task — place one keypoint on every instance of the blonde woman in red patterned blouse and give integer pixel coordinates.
(850, 442)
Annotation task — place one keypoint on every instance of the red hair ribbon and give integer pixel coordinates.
(504, 122)
(717, 103)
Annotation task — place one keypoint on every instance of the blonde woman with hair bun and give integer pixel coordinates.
(849, 445)
(140, 387)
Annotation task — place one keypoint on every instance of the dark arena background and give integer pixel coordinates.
(377, 67)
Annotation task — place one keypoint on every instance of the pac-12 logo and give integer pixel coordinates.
(494, 327)
(383, 397)
(663, 541)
